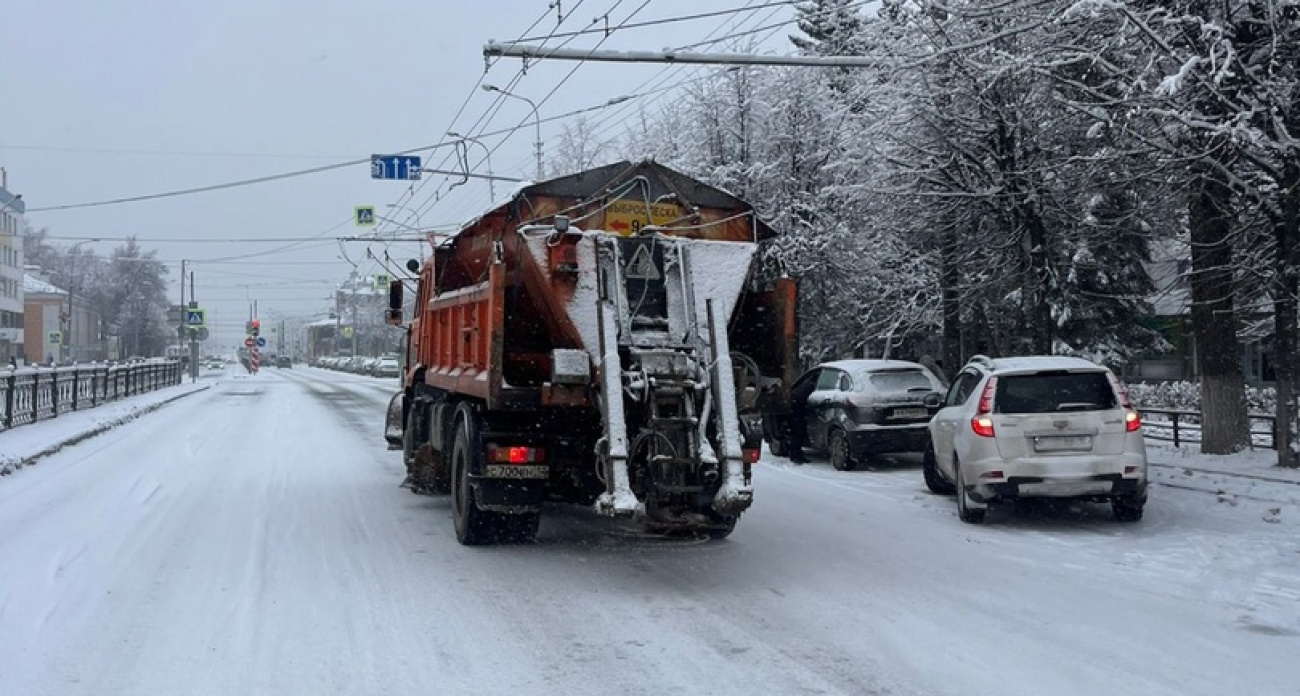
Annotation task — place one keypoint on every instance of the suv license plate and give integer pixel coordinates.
(1063, 443)
(910, 413)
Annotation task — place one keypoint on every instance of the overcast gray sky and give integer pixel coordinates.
(106, 99)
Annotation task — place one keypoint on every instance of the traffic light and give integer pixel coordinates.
(255, 327)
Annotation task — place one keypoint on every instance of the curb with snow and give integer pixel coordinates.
(97, 422)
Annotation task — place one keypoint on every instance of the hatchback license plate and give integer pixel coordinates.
(1063, 443)
(910, 413)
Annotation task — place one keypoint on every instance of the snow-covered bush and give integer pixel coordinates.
(1186, 396)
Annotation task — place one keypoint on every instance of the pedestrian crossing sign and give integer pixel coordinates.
(365, 216)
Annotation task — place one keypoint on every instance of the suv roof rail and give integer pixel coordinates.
(981, 359)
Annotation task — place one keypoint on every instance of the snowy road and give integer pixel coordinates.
(252, 539)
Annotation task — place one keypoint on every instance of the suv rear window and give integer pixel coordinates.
(1053, 392)
(901, 381)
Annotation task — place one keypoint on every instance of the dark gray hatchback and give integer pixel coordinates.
(855, 409)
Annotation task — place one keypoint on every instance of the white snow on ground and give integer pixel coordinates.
(252, 539)
(23, 444)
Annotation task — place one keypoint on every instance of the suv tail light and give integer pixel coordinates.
(981, 423)
(1120, 391)
(1132, 419)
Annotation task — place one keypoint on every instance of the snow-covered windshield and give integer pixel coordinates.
(900, 381)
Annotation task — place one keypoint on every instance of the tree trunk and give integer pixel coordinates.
(1225, 428)
(1040, 279)
(1284, 365)
(1286, 341)
(950, 299)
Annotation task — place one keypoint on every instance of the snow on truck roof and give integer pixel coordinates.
(645, 180)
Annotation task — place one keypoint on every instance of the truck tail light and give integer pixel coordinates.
(515, 455)
(982, 424)
(1132, 421)
(749, 455)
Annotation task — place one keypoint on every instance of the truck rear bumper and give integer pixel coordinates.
(508, 495)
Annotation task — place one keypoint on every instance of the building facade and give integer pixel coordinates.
(44, 306)
(12, 227)
(58, 329)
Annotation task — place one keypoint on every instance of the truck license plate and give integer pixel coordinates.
(517, 471)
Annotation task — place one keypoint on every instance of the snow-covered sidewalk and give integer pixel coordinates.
(1250, 475)
(27, 444)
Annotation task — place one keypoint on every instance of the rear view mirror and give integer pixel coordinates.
(394, 314)
(933, 400)
(413, 266)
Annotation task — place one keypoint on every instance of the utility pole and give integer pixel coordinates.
(354, 319)
(180, 330)
(194, 338)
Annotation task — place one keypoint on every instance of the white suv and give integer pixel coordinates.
(1053, 427)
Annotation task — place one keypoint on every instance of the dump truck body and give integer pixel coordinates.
(606, 365)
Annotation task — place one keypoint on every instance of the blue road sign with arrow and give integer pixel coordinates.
(261, 341)
(394, 167)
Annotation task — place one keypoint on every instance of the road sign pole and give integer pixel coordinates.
(180, 330)
(194, 343)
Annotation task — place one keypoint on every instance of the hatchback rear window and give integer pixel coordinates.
(901, 381)
(1051, 393)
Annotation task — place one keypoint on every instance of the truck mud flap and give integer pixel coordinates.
(394, 422)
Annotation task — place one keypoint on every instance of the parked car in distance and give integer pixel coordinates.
(284, 361)
(1054, 427)
(856, 409)
(387, 367)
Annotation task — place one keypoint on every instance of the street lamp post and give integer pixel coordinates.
(487, 155)
(537, 121)
(68, 343)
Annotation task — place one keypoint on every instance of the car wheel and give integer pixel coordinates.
(777, 448)
(837, 446)
(967, 514)
(933, 479)
(1127, 509)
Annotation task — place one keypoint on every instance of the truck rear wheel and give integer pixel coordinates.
(473, 526)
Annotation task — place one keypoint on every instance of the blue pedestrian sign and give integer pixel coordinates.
(261, 341)
(395, 167)
(194, 318)
(365, 216)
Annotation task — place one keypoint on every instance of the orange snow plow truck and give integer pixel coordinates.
(598, 339)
